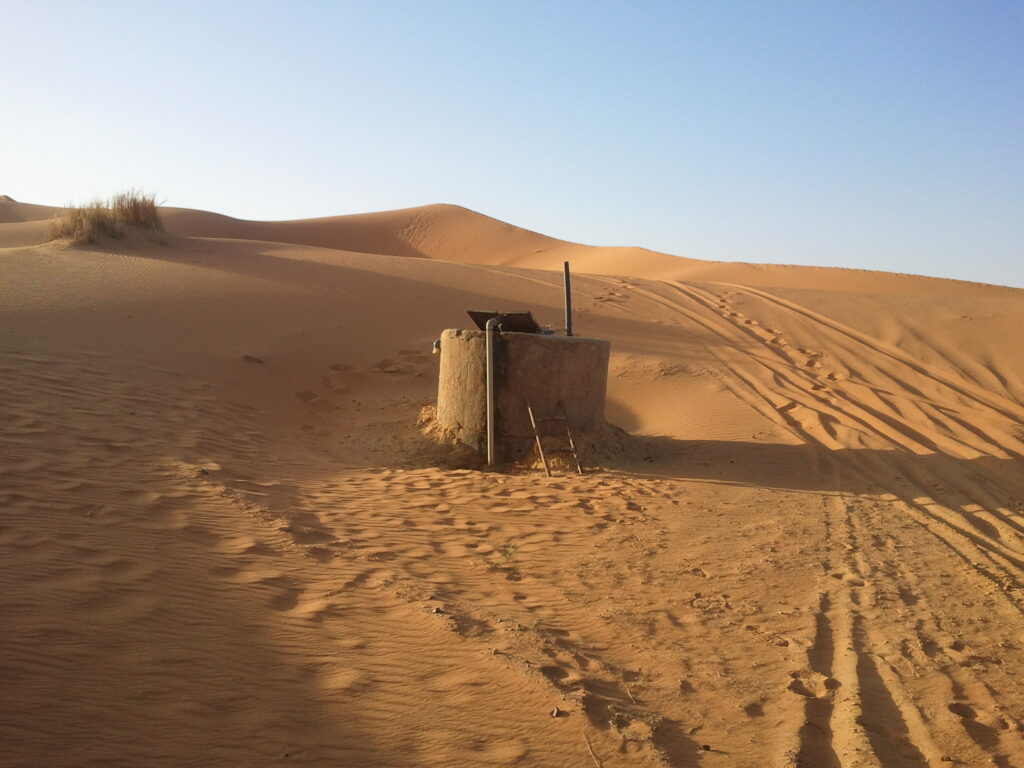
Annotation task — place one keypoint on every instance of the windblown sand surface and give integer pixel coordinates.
(225, 541)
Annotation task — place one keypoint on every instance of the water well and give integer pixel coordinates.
(556, 374)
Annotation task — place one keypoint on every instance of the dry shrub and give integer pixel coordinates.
(108, 218)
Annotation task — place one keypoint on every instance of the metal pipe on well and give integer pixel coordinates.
(568, 299)
(492, 330)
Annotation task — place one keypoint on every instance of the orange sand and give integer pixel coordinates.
(225, 542)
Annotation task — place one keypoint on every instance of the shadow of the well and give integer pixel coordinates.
(808, 467)
(979, 499)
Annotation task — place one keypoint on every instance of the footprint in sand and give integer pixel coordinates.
(200, 535)
(124, 570)
(808, 684)
(164, 518)
(241, 545)
(304, 535)
(412, 355)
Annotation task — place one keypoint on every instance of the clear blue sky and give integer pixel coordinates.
(883, 135)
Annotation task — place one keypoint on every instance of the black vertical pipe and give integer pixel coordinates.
(492, 331)
(568, 300)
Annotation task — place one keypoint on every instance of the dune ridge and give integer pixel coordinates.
(227, 541)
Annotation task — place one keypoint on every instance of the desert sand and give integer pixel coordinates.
(226, 540)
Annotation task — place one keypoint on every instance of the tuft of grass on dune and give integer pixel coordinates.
(125, 211)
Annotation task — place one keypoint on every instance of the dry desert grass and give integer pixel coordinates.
(92, 221)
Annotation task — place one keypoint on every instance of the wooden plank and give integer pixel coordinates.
(536, 436)
(572, 443)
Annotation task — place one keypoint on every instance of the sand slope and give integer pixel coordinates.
(225, 541)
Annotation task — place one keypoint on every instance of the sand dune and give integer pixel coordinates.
(225, 541)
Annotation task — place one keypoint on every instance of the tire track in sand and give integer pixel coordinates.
(998, 560)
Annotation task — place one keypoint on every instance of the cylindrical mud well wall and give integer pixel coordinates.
(548, 371)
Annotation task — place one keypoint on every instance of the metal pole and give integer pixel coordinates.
(491, 328)
(568, 299)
